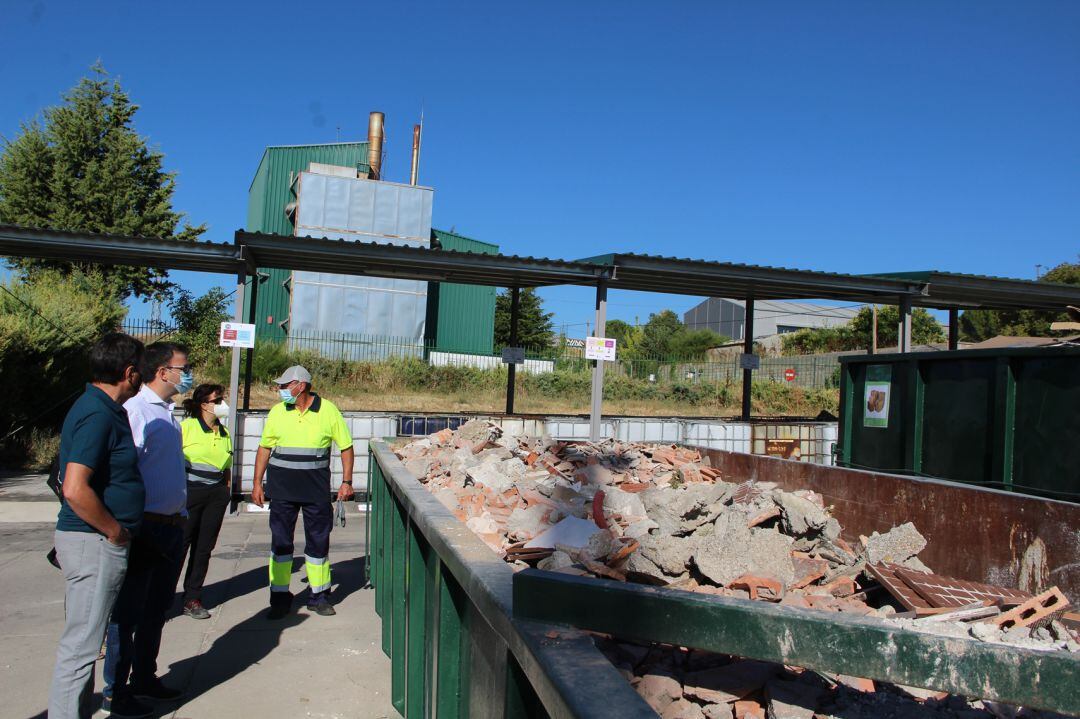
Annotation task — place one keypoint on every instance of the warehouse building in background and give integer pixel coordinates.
(334, 190)
(728, 317)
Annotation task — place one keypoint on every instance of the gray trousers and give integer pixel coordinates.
(93, 569)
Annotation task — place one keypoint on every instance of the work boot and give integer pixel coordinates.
(155, 690)
(195, 610)
(125, 707)
(322, 607)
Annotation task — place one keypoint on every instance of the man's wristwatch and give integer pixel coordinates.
(346, 481)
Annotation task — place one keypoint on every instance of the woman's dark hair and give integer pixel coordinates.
(112, 355)
(193, 404)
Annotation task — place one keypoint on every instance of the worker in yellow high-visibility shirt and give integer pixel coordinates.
(294, 456)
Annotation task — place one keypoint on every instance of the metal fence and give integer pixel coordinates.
(806, 372)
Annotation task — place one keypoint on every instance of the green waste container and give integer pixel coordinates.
(1006, 418)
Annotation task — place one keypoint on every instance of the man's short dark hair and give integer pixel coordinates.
(157, 356)
(112, 355)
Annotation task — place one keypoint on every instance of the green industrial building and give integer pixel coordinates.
(459, 318)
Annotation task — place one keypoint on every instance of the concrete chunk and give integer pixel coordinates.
(896, 545)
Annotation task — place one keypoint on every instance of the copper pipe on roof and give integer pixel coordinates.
(415, 155)
(375, 144)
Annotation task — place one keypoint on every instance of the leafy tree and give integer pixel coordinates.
(84, 168)
(692, 344)
(924, 328)
(534, 324)
(619, 331)
(659, 333)
(856, 334)
(46, 327)
(978, 325)
(198, 322)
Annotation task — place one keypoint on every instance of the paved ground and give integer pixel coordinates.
(236, 664)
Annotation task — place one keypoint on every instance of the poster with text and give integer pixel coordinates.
(877, 395)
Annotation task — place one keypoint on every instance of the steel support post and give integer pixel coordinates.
(598, 369)
(903, 332)
(249, 358)
(511, 369)
(234, 384)
(954, 329)
(748, 348)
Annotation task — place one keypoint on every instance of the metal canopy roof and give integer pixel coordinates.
(952, 290)
(649, 273)
(97, 248)
(413, 263)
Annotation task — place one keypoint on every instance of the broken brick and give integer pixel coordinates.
(749, 709)
(759, 586)
(1039, 609)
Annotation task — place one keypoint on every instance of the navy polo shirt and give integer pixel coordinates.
(96, 434)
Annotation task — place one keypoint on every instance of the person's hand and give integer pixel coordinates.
(345, 493)
(120, 538)
(257, 496)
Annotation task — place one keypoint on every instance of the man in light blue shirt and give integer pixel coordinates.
(134, 636)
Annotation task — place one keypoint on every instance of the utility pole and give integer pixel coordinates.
(873, 331)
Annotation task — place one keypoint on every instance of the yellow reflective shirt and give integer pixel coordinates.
(206, 453)
(299, 467)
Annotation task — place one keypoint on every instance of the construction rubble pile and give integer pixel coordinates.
(661, 515)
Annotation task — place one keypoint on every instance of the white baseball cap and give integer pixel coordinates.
(294, 373)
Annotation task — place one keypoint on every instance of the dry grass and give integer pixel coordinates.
(397, 400)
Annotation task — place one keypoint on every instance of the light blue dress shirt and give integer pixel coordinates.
(160, 449)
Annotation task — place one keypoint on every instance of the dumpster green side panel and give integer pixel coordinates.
(878, 447)
(1046, 449)
(959, 395)
(1007, 418)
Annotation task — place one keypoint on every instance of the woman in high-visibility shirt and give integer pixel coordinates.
(208, 459)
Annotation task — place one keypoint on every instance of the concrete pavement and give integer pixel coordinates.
(237, 663)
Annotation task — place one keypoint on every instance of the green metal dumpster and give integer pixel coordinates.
(998, 418)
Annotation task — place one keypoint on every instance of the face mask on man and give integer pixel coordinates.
(187, 380)
(221, 410)
(287, 396)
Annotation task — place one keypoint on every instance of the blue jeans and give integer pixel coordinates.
(134, 636)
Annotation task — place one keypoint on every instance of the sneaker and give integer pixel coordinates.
(125, 708)
(195, 610)
(278, 611)
(156, 691)
(322, 607)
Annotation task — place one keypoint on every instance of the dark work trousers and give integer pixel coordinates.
(206, 505)
(134, 636)
(318, 520)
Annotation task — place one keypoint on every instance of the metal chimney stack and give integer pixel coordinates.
(375, 144)
(414, 176)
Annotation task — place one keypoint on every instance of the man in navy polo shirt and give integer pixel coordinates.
(103, 506)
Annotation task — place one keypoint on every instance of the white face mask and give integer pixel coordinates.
(221, 410)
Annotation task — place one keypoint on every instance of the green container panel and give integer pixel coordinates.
(1046, 445)
(960, 395)
(999, 418)
(268, 195)
(461, 318)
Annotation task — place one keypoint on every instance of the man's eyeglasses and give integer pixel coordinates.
(184, 368)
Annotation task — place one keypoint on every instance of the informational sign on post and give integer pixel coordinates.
(876, 395)
(236, 334)
(600, 348)
(513, 355)
(749, 361)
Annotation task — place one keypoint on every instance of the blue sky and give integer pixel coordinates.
(843, 136)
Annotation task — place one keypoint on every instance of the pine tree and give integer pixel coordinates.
(84, 168)
(534, 324)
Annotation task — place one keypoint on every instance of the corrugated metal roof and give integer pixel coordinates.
(709, 278)
(967, 291)
(416, 263)
(48, 244)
